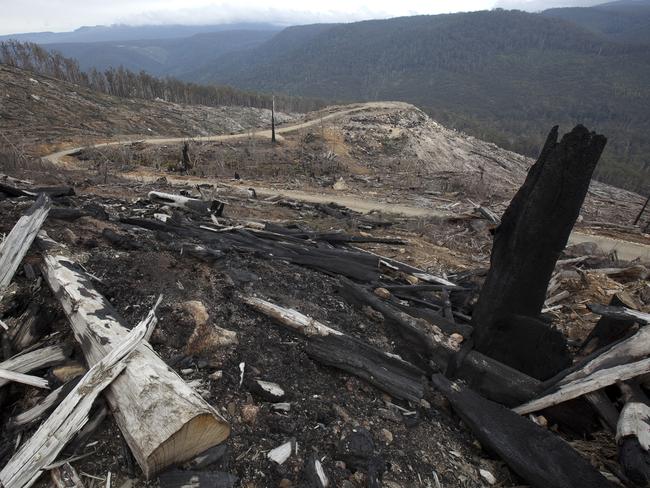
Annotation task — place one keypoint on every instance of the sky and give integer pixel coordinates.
(18, 16)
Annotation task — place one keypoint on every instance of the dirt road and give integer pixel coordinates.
(625, 249)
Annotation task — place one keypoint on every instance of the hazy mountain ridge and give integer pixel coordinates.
(503, 76)
(163, 56)
(625, 21)
(119, 32)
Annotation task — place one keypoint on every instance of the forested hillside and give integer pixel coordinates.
(122, 82)
(622, 21)
(504, 76)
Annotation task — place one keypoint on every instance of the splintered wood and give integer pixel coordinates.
(24, 468)
(16, 244)
(163, 420)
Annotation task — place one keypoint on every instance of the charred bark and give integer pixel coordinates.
(534, 230)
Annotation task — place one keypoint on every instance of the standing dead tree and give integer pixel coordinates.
(534, 230)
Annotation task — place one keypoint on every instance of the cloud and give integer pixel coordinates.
(539, 5)
(60, 15)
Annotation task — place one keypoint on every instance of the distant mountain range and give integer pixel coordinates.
(624, 21)
(118, 32)
(503, 76)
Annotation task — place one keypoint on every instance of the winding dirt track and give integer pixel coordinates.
(625, 249)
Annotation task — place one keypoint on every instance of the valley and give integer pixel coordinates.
(316, 298)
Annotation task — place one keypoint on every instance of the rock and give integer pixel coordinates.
(386, 436)
(269, 391)
(456, 339)
(382, 293)
(340, 185)
(206, 338)
(412, 279)
(216, 376)
(249, 414)
(487, 476)
(69, 371)
(285, 483)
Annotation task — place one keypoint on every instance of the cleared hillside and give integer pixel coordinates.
(37, 110)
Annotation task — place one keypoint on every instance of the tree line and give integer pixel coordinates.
(122, 82)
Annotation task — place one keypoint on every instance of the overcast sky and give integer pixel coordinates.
(18, 16)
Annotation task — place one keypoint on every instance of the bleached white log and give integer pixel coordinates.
(16, 244)
(179, 201)
(24, 468)
(291, 318)
(163, 419)
(632, 349)
(23, 378)
(596, 381)
(635, 421)
(30, 361)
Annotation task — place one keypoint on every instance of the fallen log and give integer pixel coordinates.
(34, 360)
(192, 204)
(620, 313)
(490, 378)
(25, 379)
(633, 435)
(537, 223)
(568, 390)
(196, 479)
(24, 468)
(607, 330)
(163, 420)
(539, 456)
(333, 348)
(16, 244)
(625, 351)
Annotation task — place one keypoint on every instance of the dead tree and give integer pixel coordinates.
(185, 163)
(273, 120)
(638, 217)
(534, 230)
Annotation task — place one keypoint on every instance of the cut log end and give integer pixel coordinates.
(196, 436)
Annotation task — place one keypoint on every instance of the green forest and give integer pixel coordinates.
(503, 76)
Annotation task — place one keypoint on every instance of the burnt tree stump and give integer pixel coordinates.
(533, 232)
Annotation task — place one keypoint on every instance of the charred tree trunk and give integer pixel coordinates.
(273, 121)
(533, 232)
(185, 164)
(638, 217)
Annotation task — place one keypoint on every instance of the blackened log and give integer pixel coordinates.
(607, 330)
(621, 313)
(534, 230)
(633, 435)
(491, 378)
(436, 319)
(196, 479)
(539, 456)
(333, 348)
